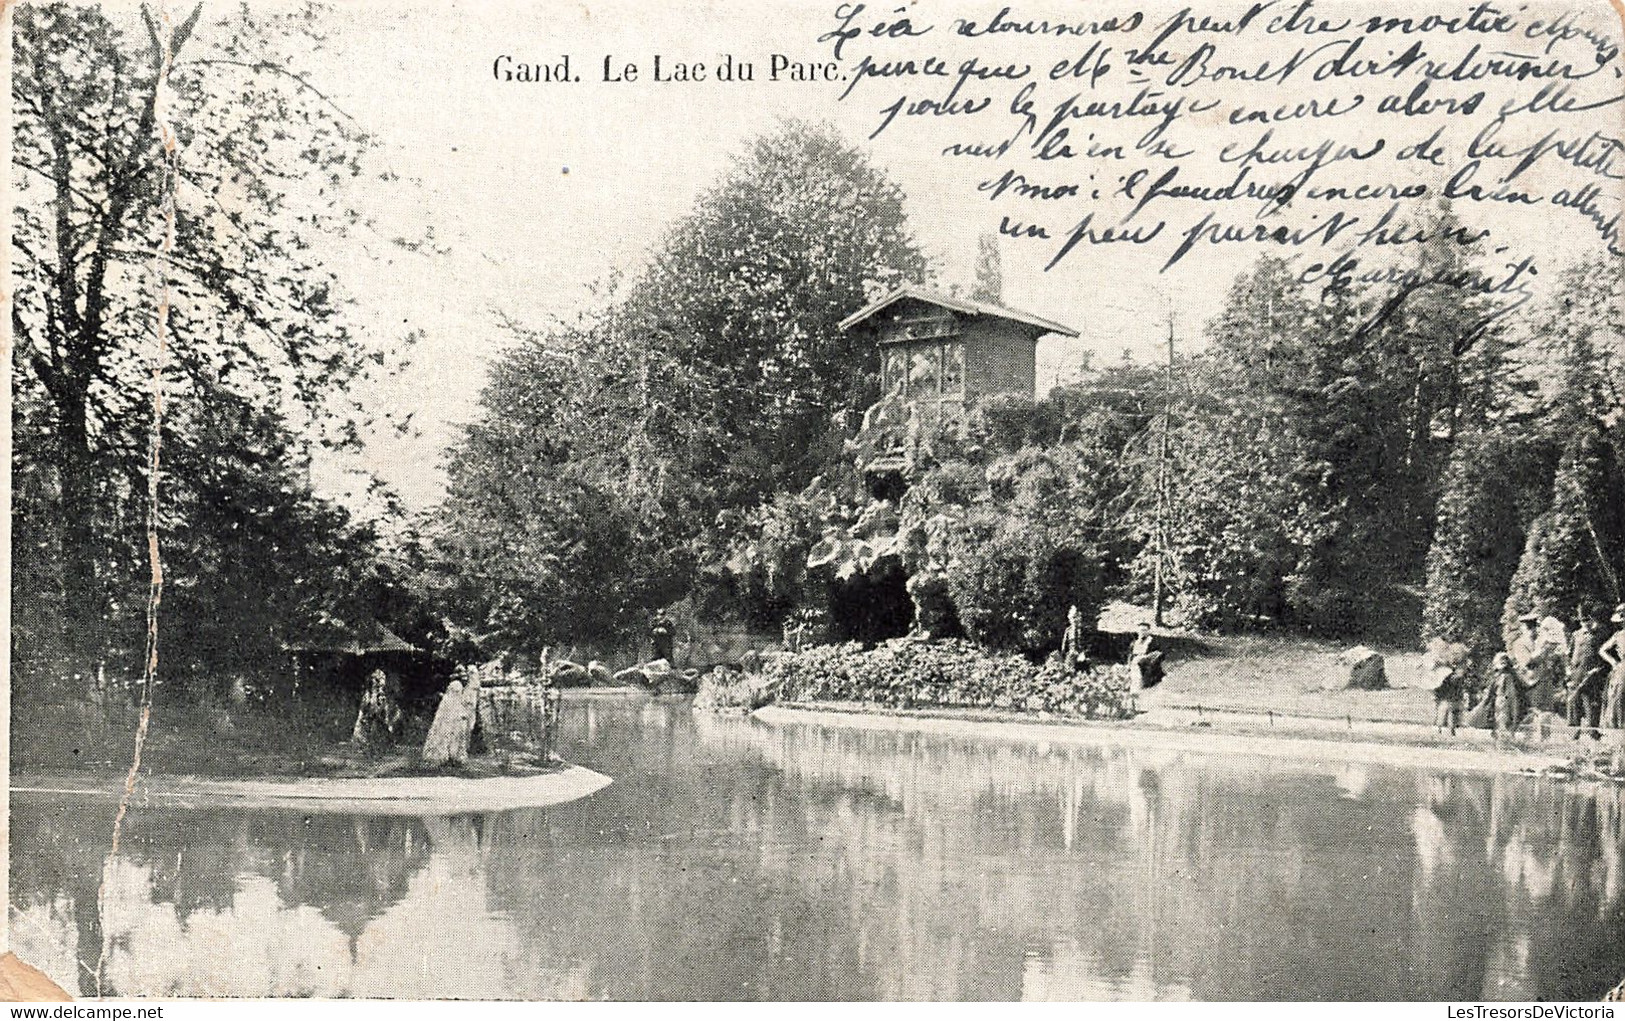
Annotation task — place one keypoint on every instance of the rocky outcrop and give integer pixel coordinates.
(1367, 671)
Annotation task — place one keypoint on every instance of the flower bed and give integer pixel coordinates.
(912, 674)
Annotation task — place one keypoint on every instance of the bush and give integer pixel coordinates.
(1012, 582)
(1002, 549)
(908, 673)
(1009, 423)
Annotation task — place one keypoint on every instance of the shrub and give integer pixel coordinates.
(996, 549)
(1012, 582)
(1011, 544)
(1575, 551)
(908, 673)
(1009, 423)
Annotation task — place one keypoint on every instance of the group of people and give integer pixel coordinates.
(1144, 657)
(1544, 669)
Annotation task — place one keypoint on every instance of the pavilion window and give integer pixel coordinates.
(924, 370)
(894, 368)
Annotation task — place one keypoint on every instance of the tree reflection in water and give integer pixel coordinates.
(734, 859)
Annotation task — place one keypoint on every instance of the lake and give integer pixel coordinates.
(735, 859)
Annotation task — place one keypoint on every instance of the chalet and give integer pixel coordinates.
(940, 348)
(334, 653)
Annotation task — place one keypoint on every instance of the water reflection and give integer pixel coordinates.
(731, 859)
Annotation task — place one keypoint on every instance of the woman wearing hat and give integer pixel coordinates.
(1554, 657)
(1613, 653)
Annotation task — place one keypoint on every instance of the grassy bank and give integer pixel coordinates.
(1284, 674)
(1220, 691)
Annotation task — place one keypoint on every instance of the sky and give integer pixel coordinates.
(533, 191)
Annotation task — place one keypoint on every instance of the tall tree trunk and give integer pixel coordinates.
(84, 598)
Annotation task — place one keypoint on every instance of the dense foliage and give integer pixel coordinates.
(255, 333)
(1309, 443)
(1015, 541)
(551, 530)
(1485, 506)
(948, 674)
(1329, 458)
(1001, 528)
(1575, 549)
(747, 292)
(613, 455)
(1336, 460)
(1325, 460)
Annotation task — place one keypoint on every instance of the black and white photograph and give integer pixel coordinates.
(805, 501)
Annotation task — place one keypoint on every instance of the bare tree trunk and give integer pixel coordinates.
(84, 599)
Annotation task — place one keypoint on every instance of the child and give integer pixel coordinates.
(1447, 692)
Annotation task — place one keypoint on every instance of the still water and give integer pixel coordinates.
(734, 859)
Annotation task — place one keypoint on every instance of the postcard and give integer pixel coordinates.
(880, 500)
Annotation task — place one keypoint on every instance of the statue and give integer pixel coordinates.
(453, 726)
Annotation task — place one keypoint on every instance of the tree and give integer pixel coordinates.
(1309, 471)
(1484, 511)
(1542, 477)
(253, 557)
(255, 180)
(611, 453)
(989, 271)
(1250, 490)
(999, 542)
(750, 288)
(562, 522)
(1025, 553)
(1578, 346)
(1575, 551)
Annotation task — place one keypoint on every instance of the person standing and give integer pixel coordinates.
(1526, 646)
(1534, 659)
(1553, 658)
(1072, 651)
(1612, 652)
(1506, 687)
(1448, 690)
(1587, 671)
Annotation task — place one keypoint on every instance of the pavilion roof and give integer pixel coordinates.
(359, 639)
(964, 306)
